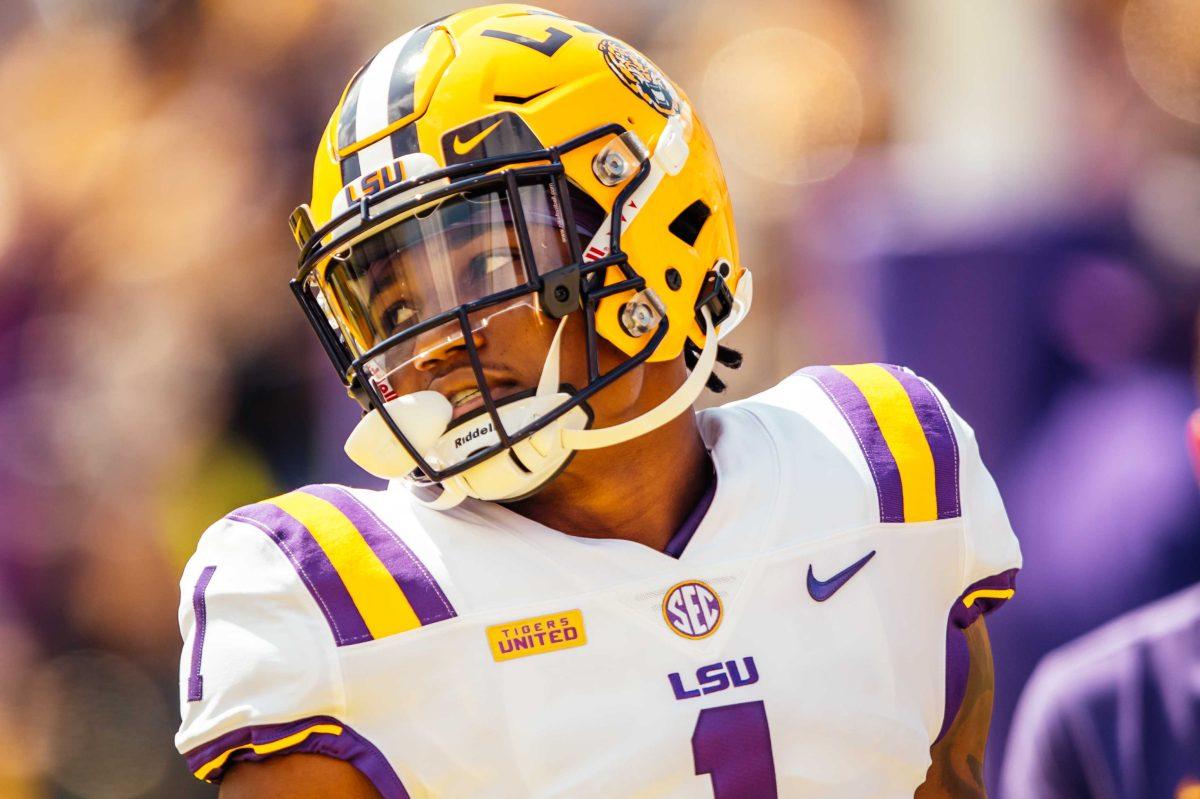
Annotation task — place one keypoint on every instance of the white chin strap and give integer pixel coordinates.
(522, 469)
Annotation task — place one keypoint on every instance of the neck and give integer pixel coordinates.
(641, 490)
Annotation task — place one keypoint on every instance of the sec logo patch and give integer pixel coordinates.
(692, 609)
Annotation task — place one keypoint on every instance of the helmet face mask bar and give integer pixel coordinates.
(577, 285)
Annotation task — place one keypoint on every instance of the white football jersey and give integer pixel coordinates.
(796, 647)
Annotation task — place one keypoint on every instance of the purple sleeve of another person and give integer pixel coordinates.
(1114, 713)
(1043, 759)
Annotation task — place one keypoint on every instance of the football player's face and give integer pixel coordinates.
(509, 337)
(512, 339)
(472, 264)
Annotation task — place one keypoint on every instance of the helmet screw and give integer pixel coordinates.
(611, 167)
(614, 163)
(643, 313)
(637, 318)
(674, 279)
(561, 293)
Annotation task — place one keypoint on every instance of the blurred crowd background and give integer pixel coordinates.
(1004, 196)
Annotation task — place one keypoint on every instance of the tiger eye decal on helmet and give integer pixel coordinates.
(642, 77)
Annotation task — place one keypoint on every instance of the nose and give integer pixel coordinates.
(431, 358)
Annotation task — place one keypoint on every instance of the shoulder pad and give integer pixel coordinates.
(365, 579)
(905, 435)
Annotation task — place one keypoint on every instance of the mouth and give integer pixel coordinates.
(464, 394)
(467, 402)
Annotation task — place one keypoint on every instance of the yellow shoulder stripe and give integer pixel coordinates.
(376, 594)
(904, 435)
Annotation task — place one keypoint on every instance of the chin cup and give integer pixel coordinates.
(523, 468)
(422, 416)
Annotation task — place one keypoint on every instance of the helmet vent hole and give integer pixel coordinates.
(516, 99)
(687, 226)
(674, 279)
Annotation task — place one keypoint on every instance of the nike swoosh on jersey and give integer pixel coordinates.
(821, 590)
(464, 147)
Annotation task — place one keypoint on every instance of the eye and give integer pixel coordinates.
(399, 316)
(492, 268)
(497, 260)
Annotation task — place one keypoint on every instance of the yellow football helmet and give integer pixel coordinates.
(507, 163)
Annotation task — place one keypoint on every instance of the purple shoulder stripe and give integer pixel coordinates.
(940, 436)
(347, 745)
(200, 610)
(420, 588)
(857, 413)
(313, 566)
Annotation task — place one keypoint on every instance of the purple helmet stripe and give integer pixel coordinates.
(351, 168)
(857, 413)
(244, 745)
(940, 436)
(313, 566)
(428, 600)
(404, 141)
(346, 122)
(402, 85)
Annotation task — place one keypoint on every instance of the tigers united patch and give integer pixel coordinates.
(536, 635)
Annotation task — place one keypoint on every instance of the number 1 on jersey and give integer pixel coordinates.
(732, 744)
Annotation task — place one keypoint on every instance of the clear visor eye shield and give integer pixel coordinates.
(416, 290)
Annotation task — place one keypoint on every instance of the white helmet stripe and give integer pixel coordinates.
(380, 94)
(372, 112)
(374, 156)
